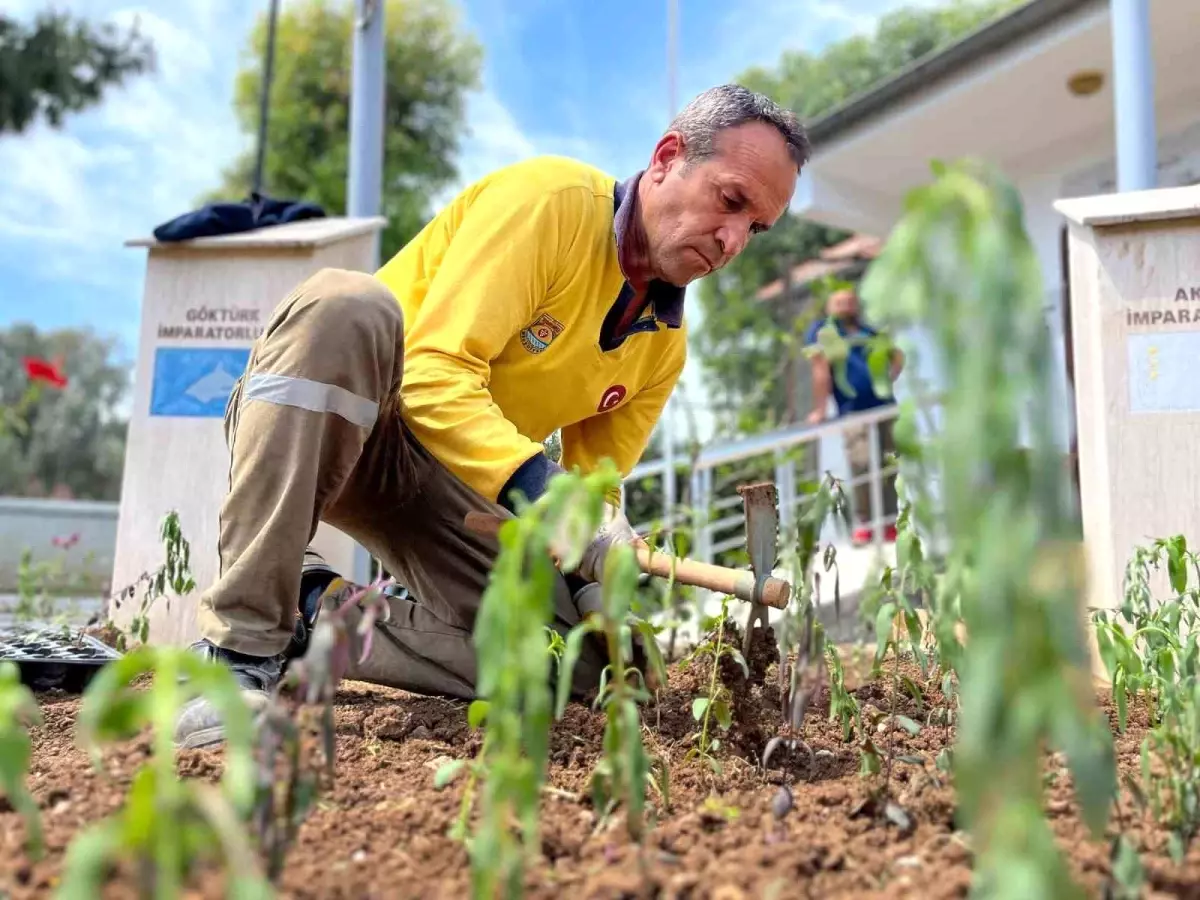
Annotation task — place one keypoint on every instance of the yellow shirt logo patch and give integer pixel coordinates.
(541, 334)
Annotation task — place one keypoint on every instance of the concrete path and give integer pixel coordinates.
(73, 610)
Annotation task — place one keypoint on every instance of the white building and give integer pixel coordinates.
(1033, 93)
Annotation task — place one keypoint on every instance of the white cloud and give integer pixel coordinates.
(70, 197)
(493, 138)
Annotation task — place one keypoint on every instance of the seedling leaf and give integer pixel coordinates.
(477, 713)
(447, 772)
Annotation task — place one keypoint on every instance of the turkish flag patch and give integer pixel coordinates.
(611, 398)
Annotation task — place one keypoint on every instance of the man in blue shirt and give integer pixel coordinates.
(843, 312)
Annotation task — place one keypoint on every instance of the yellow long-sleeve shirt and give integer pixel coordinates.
(510, 296)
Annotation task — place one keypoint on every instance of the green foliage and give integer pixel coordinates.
(72, 439)
(748, 348)
(624, 770)
(43, 586)
(878, 349)
(802, 647)
(431, 64)
(174, 575)
(960, 263)
(475, 769)
(287, 783)
(166, 825)
(60, 64)
(515, 670)
(18, 711)
(1151, 649)
(843, 706)
(714, 708)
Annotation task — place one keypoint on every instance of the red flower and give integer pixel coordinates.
(45, 371)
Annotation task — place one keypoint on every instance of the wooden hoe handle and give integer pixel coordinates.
(736, 582)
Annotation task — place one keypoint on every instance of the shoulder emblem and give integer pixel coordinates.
(541, 334)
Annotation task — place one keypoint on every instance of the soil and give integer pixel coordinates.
(810, 825)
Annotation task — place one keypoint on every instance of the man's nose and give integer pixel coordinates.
(732, 240)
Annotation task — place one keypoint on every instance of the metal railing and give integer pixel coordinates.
(715, 514)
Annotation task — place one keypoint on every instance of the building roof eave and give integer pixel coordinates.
(980, 47)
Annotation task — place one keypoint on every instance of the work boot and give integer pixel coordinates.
(199, 722)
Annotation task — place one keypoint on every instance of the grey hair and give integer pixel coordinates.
(728, 106)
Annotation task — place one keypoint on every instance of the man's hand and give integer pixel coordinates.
(816, 417)
(614, 530)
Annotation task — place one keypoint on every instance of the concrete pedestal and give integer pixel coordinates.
(205, 303)
(1135, 330)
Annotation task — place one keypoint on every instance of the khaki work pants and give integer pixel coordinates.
(314, 432)
(858, 454)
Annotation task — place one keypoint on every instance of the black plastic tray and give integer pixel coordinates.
(50, 656)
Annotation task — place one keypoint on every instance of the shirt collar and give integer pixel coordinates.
(666, 299)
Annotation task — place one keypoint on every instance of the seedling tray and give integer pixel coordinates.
(50, 656)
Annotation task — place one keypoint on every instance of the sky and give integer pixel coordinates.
(586, 79)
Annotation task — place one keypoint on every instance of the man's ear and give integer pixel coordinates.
(668, 154)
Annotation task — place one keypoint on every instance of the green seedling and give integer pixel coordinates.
(284, 799)
(713, 710)
(624, 769)
(174, 574)
(936, 646)
(515, 671)
(844, 709)
(35, 588)
(960, 264)
(1128, 876)
(18, 713)
(449, 771)
(1151, 649)
(802, 646)
(446, 773)
(166, 825)
(820, 501)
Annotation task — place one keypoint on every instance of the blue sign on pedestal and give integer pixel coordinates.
(195, 381)
(1162, 372)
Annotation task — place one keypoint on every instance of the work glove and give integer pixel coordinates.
(615, 529)
(589, 600)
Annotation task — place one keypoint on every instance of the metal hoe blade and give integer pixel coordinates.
(762, 530)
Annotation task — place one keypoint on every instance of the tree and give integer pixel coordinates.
(745, 344)
(74, 442)
(430, 67)
(61, 65)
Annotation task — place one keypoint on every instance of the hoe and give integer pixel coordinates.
(758, 586)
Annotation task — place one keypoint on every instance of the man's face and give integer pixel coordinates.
(843, 305)
(699, 217)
